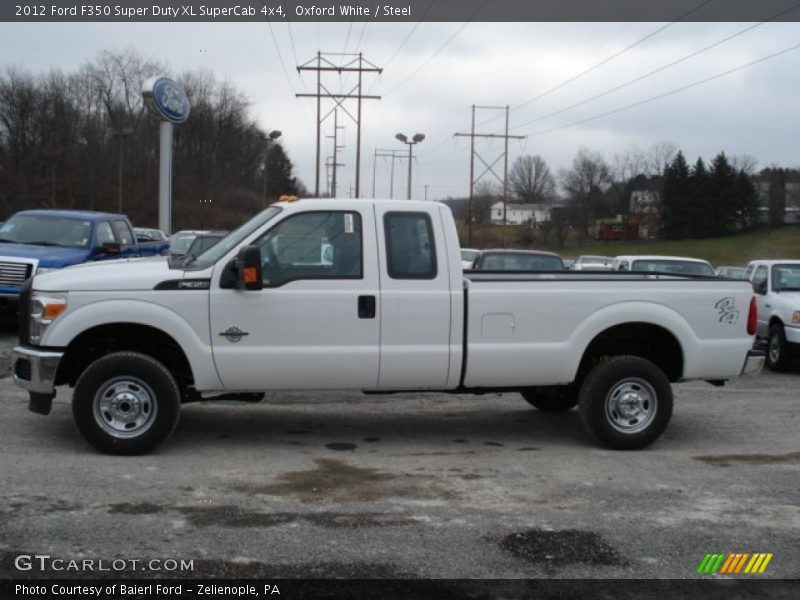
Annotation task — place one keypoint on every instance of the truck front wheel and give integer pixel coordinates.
(777, 349)
(126, 403)
(626, 402)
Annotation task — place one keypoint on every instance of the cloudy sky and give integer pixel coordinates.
(434, 72)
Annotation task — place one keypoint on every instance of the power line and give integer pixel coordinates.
(442, 47)
(280, 58)
(665, 94)
(658, 70)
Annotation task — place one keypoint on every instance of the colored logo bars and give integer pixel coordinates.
(734, 563)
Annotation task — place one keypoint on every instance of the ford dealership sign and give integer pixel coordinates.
(166, 98)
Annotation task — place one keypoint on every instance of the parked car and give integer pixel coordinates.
(731, 272)
(154, 240)
(391, 311)
(468, 257)
(776, 284)
(204, 241)
(517, 260)
(588, 262)
(180, 242)
(678, 265)
(37, 241)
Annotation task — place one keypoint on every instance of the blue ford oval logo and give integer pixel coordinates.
(167, 98)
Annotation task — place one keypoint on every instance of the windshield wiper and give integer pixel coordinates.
(38, 243)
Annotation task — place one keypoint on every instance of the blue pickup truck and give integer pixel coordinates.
(36, 241)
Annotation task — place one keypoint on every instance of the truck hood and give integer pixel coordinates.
(50, 257)
(792, 298)
(113, 275)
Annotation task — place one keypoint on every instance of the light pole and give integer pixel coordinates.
(418, 137)
(270, 137)
(121, 134)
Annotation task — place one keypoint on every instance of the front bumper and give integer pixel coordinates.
(792, 334)
(35, 370)
(753, 363)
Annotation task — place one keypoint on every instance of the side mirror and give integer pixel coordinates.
(108, 248)
(248, 269)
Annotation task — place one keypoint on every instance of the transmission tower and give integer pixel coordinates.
(489, 166)
(345, 63)
(334, 163)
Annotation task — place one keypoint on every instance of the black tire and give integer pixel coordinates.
(625, 402)
(126, 403)
(551, 399)
(778, 355)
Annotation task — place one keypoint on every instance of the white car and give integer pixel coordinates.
(731, 272)
(777, 287)
(588, 262)
(677, 265)
(468, 257)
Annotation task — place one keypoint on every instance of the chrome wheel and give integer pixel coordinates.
(125, 407)
(631, 405)
(775, 348)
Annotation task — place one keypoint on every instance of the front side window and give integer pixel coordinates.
(410, 249)
(313, 245)
(105, 234)
(122, 232)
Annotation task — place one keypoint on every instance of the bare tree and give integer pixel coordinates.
(531, 180)
(585, 184)
(744, 162)
(659, 156)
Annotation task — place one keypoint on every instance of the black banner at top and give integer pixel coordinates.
(388, 11)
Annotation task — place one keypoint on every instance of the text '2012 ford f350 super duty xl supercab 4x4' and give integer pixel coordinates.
(370, 295)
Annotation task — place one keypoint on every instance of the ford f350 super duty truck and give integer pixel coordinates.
(370, 295)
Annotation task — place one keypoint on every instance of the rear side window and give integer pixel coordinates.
(410, 249)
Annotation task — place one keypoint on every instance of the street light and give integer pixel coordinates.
(121, 133)
(418, 137)
(270, 137)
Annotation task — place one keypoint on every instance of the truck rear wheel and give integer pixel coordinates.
(126, 403)
(777, 349)
(556, 398)
(626, 402)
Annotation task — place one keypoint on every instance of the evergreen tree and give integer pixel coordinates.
(746, 200)
(675, 200)
(722, 217)
(701, 202)
(777, 197)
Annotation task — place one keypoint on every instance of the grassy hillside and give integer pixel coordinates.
(734, 250)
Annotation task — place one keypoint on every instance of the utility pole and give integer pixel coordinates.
(335, 164)
(345, 62)
(489, 166)
(384, 153)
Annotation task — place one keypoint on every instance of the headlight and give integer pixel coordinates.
(796, 316)
(43, 270)
(45, 308)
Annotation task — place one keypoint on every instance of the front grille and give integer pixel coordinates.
(24, 314)
(14, 274)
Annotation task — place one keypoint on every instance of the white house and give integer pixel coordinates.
(518, 214)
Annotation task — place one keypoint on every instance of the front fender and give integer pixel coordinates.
(194, 344)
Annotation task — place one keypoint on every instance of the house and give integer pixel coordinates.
(519, 214)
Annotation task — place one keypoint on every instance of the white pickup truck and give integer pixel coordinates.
(777, 287)
(374, 298)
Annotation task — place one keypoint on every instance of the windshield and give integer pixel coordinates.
(786, 278)
(46, 230)
(508, 261)
(679, 267)
(235, 237)
(180, 243)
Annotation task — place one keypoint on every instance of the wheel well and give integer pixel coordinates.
(104, 339)
(775, 321)
(645, 340)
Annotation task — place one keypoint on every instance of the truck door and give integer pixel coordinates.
(414, 300)
(315, 325)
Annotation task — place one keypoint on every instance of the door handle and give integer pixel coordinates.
(366, 307)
